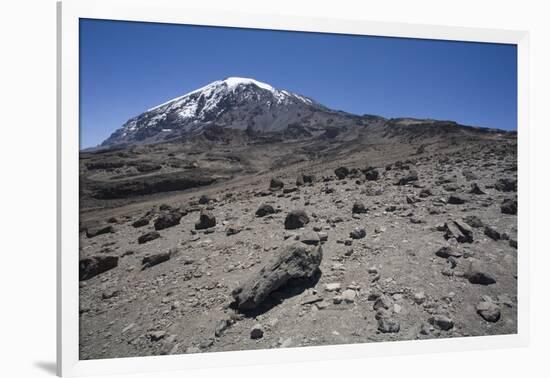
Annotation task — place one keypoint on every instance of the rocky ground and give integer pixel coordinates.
(371, 246)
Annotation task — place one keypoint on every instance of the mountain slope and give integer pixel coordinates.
(235, 103)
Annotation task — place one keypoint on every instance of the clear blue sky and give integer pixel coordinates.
(128, 67)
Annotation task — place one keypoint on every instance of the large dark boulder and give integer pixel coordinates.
(296, 219)
(264, 210)
(166, 220)
(206, 220)
(294, 261)
(341, 172)
(92, 266)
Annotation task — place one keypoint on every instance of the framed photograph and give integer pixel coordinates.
(253, 188)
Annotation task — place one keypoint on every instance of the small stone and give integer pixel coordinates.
(388, 325)
(257, 332)
(419, 297)
(349, 295)
(335, 286)
(156, 335)
(358, 233)
(442, 322)
(488, 311)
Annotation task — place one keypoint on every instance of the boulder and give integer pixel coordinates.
(488, 311)
(442, 322)
(276, 184)
(358, 233)
(477, 274)
(303, 179)
(455, 199)
(92, 232)
(264, 210)
(341, 172)
(166, 220)
(371, 174)
(475, 189)
(447, 252)
(458, 230)
(294, 261)
(492, 233)
(296, 219)
(152, 260)
(147, 237)
(310, 238)
(206, 220)
(509, 206)
(506, 185)
(410, 177)
(473, 221)
(92, 266)
(204, 199)
(358, 208)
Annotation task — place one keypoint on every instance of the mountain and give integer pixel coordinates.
(233, 103)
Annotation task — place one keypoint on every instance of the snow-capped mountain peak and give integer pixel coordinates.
(234, 102)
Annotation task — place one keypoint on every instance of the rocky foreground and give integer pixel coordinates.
(353, 252)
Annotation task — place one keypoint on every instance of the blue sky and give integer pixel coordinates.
(129, 67)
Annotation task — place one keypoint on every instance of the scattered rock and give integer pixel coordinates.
(257, 332)
(506, 185)
(92, 266)
(509, 206)
(206, 220)
(473, 221)
(166, 220)
(371, 174)
(156, 335)
(358, 208)
(358, 233)
(492, 233)
(155, 259)
(264, 210)
(349, 295)
(296, 219)
(475, 189)
(92, 232)
(233, 230)
(335, 286)
(388, 324)
(292, 262)
(276, 184)
(477, 274)
(147, 237)
(458, 230)
(455, 199)
(311, 238)
(341, 172)
(408, 178)
(448, 251)
(488, 311)
(442, 322)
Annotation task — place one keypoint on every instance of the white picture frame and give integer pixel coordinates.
(69, 13)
